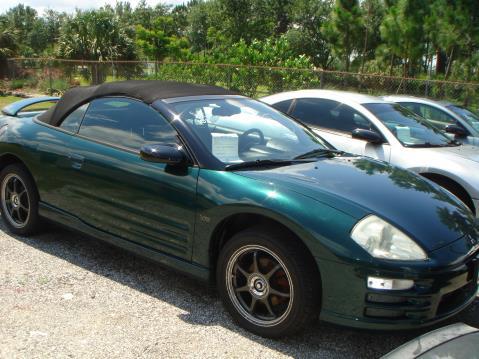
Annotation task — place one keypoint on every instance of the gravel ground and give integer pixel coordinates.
(65, 295)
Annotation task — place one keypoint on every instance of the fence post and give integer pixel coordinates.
(321, 79)
(229, 76)
(50, 81)
(12, 69)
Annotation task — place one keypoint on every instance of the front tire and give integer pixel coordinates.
(268, 282)
(18, 200)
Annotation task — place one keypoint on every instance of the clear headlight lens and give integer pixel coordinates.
(382, 240)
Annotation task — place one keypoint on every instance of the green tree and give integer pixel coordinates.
(155, 42)
(403, 35)
(372, 17)
(198, 25)
(96, 35)
(8, 46)
(306, 37)
(343, 30)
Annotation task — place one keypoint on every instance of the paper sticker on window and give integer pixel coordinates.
(225, 147)
(403, 132)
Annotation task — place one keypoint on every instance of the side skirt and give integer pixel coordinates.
(58, 216)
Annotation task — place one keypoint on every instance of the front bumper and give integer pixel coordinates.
(436, 295)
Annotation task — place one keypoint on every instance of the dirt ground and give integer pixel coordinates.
(64, 295)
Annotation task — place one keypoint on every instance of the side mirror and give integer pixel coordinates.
(367, 135)
(171, 155)
(455, 130)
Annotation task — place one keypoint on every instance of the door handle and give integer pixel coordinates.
(77, 160)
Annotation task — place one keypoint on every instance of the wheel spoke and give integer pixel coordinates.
(273, 291)
(244, 288)
(19, 214)
(252, 305)
(268, 307)
(21, 193)
(10, 186)
(272, 271)
(15, 181)
(16, 214)
(255, 262)
(242, 271)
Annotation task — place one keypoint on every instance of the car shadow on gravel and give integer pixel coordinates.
(203, 307)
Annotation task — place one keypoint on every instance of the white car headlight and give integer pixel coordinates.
(382, 240)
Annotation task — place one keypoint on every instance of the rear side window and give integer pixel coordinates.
(283, 106)
(434, 115)
(72, 122)
(126, 123)
(330, 115)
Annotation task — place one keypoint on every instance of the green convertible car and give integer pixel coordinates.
(227, 189)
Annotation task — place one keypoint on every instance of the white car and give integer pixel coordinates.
(386, 131)
(458, 121)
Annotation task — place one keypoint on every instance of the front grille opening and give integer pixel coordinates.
(455, 299)
(385, 313)
(416, 302)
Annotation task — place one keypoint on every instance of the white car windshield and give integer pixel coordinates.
(470, 117)
(239, 130)
(410, 129)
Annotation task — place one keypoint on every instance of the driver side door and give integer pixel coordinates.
(335, 122)
(115, 191)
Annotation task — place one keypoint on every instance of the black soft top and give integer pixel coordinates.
(144, 90)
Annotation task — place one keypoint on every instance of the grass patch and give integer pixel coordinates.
(6, 100)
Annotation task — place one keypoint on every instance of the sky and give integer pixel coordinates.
(70, 5)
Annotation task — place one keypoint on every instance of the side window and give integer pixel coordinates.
(283, 106)
(436, 116)
(72, 122)
(127, 123)
(330, 114)
(411, 106)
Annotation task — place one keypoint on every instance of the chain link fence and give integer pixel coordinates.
(54, 76)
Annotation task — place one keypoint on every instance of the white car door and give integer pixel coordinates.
(335, 122)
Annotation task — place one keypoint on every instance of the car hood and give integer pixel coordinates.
(467, 152)
(360, 186)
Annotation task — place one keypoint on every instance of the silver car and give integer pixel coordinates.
(384, 130)
(457, 121)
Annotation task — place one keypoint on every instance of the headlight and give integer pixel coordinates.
(382, 240)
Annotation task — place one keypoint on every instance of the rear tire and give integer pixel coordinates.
(19, 200)
(268, 282)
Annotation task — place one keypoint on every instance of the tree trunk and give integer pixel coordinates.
(440, 62)
(449, 63)
(391, 64)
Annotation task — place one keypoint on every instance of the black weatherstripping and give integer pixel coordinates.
(147, 91)
(263, 163)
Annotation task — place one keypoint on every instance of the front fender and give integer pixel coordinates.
(467, 178)
(323, 229)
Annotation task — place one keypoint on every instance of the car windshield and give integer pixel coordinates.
(470, 117)
(239, 130)
(410, 129)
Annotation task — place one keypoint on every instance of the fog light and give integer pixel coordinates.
(390, 284)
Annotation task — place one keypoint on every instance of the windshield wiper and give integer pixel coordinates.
(318, 152)
(454, 143)
(260, 163)
(424, 145)
(429, 144)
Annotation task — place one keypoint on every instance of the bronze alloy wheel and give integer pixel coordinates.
(259, 285)
(15, 200)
